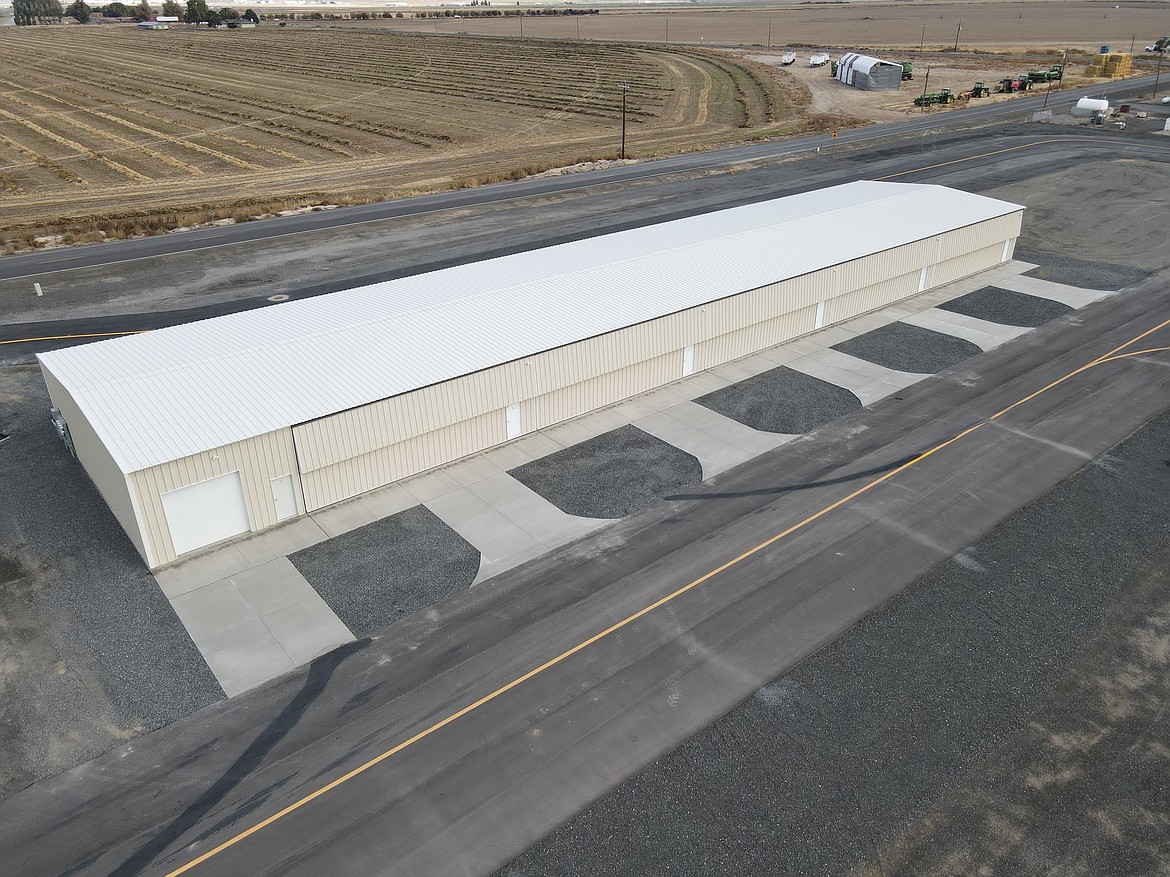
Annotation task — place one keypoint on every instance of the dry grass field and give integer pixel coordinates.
(162, 129)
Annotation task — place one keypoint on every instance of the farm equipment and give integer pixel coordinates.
(1013, 84)
(819, 60)
(946, 96)
(1055, 74)
(907, 70)
(1162, 45)
(788, 59)
(980, 89)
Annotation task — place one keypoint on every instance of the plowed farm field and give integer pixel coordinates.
(108, 129)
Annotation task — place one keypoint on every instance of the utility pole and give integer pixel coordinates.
(1157, 75)
(522, 25)
(922, 39)
(1047, 92)
(925, 83)
(1132, 40)
(958, 30)
(769, 33)
(578, 27)
(625, 88)
(668, 28)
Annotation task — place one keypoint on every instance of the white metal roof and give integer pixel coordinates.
(173, 392)
(852, 63)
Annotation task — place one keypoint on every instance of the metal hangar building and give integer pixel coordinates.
(202, 432)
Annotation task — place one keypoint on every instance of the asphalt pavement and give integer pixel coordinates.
(509, 708)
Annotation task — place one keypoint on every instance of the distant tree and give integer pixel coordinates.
(143, 12)
(172, 7)
(197, 11)
(115, 10)
(251, 16)
(79, 10)
(227, 13)
(26, 12)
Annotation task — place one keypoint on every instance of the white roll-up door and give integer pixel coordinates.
(207, 512)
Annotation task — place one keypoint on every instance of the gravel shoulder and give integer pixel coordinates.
(782, 400)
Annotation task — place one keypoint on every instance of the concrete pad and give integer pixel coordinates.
(213, 609)
(538, 445)
(532, 513)
(1072, 296)
(703, 383)
(498, 536)
(387, 501)
(458, 506)
(273, 586)
(983, 333)
(244, 657)
(867, 381)
(579, 429)
(643, 406)
(281, 541)
(717, 442)
(430, 485)
(734, 371)
(307, 629)
(472, 469)
(491, 568)
(342, 518)
(508, 456)
(187, 575)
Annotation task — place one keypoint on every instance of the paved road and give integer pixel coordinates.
(469, 731)
(21, 339)
(34, 264)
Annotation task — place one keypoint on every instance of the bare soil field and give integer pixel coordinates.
(173, 128)
(168, 128)
(1027, 24)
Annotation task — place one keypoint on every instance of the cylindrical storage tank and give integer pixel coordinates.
(1087, 106)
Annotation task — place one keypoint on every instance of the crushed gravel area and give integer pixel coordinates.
(1079, 272)
(782, 400)
(1006, 307)
(907, 348)
(378, 573)
(91, 653)
(612, 475)
(822, 770)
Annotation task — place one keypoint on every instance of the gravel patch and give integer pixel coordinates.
(91, 653)
(612, 475)
(378, 573)
(1007, 307)
(782, 400)
(819, 769)
(907, 348)
(1078, 272)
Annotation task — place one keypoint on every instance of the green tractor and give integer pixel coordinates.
(980, 89)
(1054, 74)
(907, 70)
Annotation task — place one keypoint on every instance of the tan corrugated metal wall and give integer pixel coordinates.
(354, 451)
(258, 460)
(106, 475)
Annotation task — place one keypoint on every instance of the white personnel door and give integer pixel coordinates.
(284, 497)
(207, 512)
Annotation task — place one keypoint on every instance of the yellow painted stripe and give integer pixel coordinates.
(625, 622)
(69, 337)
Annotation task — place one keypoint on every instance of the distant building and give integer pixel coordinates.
(153, 25)
(871, 74)
(240, 22)
(167, 19)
